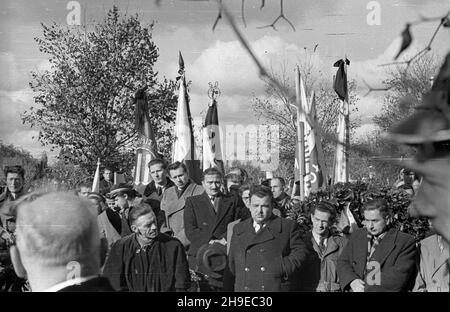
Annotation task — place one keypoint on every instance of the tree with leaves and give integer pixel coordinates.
(273, 108)
(84, 103)
(405, 87)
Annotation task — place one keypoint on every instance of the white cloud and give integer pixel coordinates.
(230, 65)
(10, 79)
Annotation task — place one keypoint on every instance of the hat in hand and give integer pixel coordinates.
(212, 259)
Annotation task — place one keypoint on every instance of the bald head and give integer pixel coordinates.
(56, 229)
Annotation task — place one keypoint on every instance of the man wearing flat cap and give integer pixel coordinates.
(125, 197)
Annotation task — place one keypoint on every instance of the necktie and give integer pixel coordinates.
(322, 245)
(257, 227)
(373, 242)
(214, 203)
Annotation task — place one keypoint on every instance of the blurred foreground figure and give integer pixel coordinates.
(58, 244)
(429, 130)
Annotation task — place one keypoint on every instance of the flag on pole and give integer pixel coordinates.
(301, 103)
(314, 162)
(212, 154)
(347, 222)
(184, 145)
(147, 150)
(96, 182)
(341, 156)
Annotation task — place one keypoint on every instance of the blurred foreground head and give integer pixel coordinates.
(57, 239)
(429, 130)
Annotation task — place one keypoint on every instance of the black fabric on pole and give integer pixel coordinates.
(211, 116)
(340, 80)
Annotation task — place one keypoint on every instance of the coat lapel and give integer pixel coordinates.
(225, 204)
(387, 244)
(245, 233)
(272, 228)
(361, 252)
(331, 246)
(208, 208)
(441, 260)
(177, 204)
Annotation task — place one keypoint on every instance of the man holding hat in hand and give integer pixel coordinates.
(266, 251)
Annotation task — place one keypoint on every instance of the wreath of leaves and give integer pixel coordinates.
(357, 194)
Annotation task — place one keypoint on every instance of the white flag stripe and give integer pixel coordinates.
(137, 176)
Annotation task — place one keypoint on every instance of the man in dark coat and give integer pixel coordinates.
(282, 199)
(207, 215)
(15, 176)
(378, 257)
(107, 182)
(147, 260)
(266, 251)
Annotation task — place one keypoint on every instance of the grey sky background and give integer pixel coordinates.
(339, 27)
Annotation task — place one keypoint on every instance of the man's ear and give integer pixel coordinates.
(17, 262)
(134, 228)
(389, 219)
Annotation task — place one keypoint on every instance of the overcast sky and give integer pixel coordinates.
(339, 27)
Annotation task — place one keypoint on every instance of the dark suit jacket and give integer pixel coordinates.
(98, 284)
(397, 255)
(201, 224)
(269, 260)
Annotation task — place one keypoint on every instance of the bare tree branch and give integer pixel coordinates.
(243, 13)
(219, 16)
(444, 20)
(281, 16)
(371, 89)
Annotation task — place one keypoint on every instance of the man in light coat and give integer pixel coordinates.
(266, 251)
(434, 265)
(174, 199)
(320, 272)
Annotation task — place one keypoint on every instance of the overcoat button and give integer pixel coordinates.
(246, 269)
(246, 288)
(263, 269)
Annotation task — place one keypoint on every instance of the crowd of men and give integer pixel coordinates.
(230, 235)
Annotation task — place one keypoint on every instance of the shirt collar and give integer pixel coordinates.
(378, 238)
(262, 225)
(68, 283)
(317, 238)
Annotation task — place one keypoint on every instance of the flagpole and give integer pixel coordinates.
(347, 124)
(300, 137)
